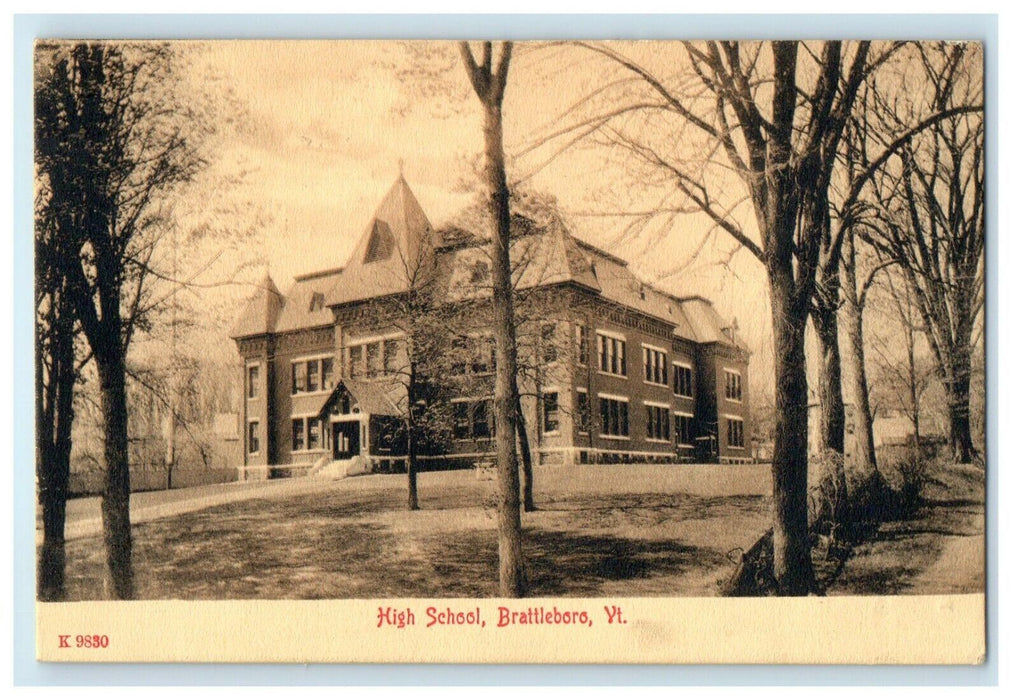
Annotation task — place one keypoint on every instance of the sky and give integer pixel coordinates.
(319, 131)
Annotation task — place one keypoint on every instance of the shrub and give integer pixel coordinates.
(911, 473)
(825, 500)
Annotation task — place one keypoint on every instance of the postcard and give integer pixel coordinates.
(510, 352)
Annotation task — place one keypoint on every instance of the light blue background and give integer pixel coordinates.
(27, 27)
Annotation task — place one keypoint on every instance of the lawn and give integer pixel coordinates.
(600, 531)
(940, 550)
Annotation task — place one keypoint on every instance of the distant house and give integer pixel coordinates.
(892, 428)
(648, 376)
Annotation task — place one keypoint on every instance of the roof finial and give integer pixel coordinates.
(399, 164)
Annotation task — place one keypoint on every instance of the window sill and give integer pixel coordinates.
(660, 386)
(660, 441)
(683, 396)
(614, 437)
(317, 392)
(610, 374)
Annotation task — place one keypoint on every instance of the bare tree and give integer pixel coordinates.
(934, 219)
(56, 373)
(778, 112)
(856, 293)
(906, 378)
(488, 78)
(112, 140)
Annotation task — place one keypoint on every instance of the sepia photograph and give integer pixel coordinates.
(510, 335)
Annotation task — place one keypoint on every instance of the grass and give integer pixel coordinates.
(600, 531)
(940, 550)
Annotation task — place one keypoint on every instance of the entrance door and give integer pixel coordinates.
(346, 439)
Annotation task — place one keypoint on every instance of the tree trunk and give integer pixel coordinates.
(53, 486)
(170, 456)
(412, 472)
(53, 449)
(793, 568)
(833, 409)
(832, 419)
(526, 467)
(511, 564)
(116, 499)
(957, 390)
(866, 454)
(412, 458)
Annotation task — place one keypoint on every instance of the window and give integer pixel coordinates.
(612, 355)
(657, 422)
(583, 411)
(355, 361)
(313, 367)
(253, 437)
(684, 430)
(615, 417)
(461, 420)
(306, 434)
(389, 359)
(682, 380)
(314, 433)
(550, 412)
(583, 344)
(472, 420)
(298, 377)
(327, 373)
(733, 386)
(735, 432)
(479, 272)
(482, 350)
(311, 375)
(297, 430)
(549, 352)
(654, 366)
(483, 427)
(381, 243)
(252, 381)
(373, 359)
(474, 354)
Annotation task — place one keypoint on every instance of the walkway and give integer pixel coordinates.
(84, 517)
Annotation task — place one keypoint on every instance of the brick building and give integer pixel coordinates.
(620, 370)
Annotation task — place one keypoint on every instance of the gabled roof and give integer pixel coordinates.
(305, 305)
(708, 326)
(395, 243)
(377, 397)
(537, 257)
(261, 312)
(398, 243)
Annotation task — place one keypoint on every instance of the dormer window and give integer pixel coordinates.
(479, 273)
(318, 300)
(380, 245)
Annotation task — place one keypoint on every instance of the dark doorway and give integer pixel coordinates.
(346, 439)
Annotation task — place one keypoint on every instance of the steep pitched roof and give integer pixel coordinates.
(261, 312)
(395, 242)
(305, 305)
(708, 326)
(378, 397)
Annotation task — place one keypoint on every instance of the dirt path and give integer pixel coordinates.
(940, 551)
(84, 518)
